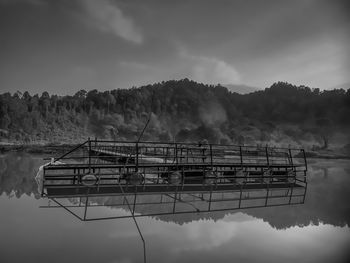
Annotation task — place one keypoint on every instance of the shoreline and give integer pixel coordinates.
(62, 148)
(36, 148)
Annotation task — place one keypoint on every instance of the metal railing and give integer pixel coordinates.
(156, 163)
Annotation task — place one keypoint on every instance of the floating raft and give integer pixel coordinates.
(101, 168)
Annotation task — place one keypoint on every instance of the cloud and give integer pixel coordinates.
(321, 63)
(212, 114)
(30, 2)
(107, 17)
(135, 65)
(211, 70)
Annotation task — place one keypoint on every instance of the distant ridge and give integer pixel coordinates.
(241, 88)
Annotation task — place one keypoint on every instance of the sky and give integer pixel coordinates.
(63, 46)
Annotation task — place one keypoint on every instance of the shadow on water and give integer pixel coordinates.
(328, 190)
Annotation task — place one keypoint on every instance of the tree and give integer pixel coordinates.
(44, 101)
(81, 94)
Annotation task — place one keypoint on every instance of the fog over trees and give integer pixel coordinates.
(181, 110)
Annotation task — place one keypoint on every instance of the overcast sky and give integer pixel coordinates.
(64, 46)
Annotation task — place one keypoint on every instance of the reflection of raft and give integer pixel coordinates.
(85, 202)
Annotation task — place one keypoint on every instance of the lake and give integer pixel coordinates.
(316, 231)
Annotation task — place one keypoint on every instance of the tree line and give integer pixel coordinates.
(181, 110)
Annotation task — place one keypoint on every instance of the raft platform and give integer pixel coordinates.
(146, 171)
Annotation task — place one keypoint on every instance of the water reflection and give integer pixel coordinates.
(326, 198)
(17, 171)
(314, 232)
(327, 189)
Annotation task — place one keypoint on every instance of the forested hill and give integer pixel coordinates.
(182, 110)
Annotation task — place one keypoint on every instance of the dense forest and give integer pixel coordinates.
(181, 110)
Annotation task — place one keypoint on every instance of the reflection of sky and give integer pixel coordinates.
(328, 187)
(41, 233)
(273, 234)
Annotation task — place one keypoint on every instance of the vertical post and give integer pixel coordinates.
(240, 196)
(211, 156)
(240, 154)
(291, 194)
(291, 158)
(86, 204)
(267, 156)
(167, 153)
(158, 174)
(74, 177)
(210, 199)
(176, 160)
(181, 150)
(304, 193)
(133, 209)
(304, 159)
(174, 205)
(137, 157)
(203, 154)
(43, 182)
(89, 154)
(79, 176)
(267, 195)
(182, 178)
(186, 154)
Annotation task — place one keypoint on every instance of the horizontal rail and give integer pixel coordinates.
(153, 165)
(191, 143)
(243, 198)
(81, 191)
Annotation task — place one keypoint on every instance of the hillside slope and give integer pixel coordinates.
(182, 110)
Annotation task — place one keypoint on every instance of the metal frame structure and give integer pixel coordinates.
(158, 178)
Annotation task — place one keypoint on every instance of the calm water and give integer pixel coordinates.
(317, 231)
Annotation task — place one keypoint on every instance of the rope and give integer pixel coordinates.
(137, 226)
